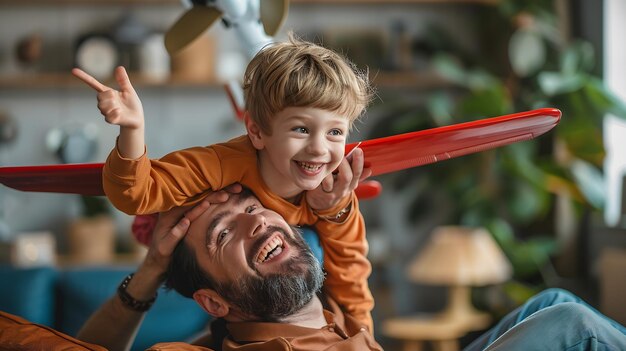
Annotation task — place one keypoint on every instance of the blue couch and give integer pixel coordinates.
(64, 298)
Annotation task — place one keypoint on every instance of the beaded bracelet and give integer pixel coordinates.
(129, 301)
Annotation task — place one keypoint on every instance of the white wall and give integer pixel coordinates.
(614, 128)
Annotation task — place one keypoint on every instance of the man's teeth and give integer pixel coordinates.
(273, 248)
(311, 167)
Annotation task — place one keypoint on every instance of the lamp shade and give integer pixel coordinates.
(460, 256)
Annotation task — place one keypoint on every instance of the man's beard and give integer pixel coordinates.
(275, 296)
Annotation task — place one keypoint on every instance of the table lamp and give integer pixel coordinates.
(461, 257)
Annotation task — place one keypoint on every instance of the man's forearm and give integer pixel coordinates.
(114, 325)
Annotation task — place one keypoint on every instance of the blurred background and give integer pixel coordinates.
(554, 206)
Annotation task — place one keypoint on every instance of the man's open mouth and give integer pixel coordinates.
(271, 249)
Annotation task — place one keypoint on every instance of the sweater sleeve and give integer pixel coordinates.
(143, 186)
(345, 261)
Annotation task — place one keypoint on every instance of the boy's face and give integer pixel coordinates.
(306, 145)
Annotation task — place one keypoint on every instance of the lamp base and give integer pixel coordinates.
(443, 330)
(461, 312)
(470, 321)
(415, 331)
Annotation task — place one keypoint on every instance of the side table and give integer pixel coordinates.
(442, 333)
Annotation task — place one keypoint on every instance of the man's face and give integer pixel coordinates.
(305, 146)
(259, 264)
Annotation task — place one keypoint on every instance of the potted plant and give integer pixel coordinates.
(532, 196)
(91, 237)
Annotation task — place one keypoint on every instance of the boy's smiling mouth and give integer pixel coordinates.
(310, 167)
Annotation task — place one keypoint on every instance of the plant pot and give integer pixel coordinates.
(92, 240)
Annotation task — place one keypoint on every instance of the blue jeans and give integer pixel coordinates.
(553, 320)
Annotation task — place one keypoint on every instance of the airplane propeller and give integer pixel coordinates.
(203, 13)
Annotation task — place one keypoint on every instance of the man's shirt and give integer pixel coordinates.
(341, 333)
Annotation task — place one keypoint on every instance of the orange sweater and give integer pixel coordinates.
(145, 186)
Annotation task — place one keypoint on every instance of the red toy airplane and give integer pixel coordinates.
(383, 155)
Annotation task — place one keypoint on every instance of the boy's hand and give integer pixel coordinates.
(121, 107)
(337, 186)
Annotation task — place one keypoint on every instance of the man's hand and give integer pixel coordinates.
(172, 226)
(121, 107)
(337, 186)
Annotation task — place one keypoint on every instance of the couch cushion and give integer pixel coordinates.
(18, 334)
(29, 293)
(81, 291)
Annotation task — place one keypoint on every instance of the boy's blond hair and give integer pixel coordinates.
(297, 73)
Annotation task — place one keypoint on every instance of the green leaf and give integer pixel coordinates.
(590, 181)
(95, 205)
(529, 256)
(440, 106)
(502, 233)
(485, 103)
(580, 127)
(527, 52)
(481, 80)
(585, 144)
(603, 98)
(519, 292)
(578, 57)
(520, 159)
(525, 202)
(450, 68)
(553, 83)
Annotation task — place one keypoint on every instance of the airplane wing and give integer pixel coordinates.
(402, 151)
(383, 155)
(83, 178)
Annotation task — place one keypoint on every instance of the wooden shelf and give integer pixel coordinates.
(119, 259)
(66, 80)
(174, 2)
(17, 3)
(399, 80)
(343, 2)
(381, 79)
(408, 80)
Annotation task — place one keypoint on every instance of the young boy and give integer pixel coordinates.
(301, 100)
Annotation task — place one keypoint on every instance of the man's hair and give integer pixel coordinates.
(297, 73)
(184, 273)
(185, 276)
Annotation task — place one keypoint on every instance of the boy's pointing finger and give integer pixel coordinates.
(91, 81)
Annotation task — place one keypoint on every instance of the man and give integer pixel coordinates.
(272, 252)
(243, 264)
